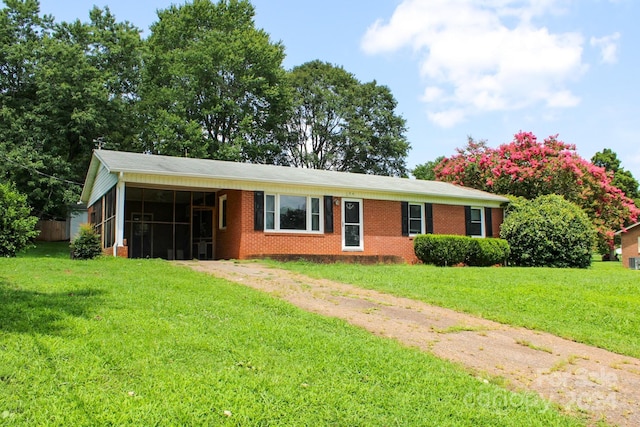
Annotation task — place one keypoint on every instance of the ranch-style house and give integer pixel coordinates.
(156, 206)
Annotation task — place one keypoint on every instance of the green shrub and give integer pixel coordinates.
(17, 227)
(87, 245)
(488, 252)
(442, 249)
(548, 231)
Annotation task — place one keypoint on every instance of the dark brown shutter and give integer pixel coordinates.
(328, 214)
(428, 213)
(467, 220)
(405, 218)
(488, 224)
(258, 210)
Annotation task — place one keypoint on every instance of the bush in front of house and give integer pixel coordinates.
(548, 231)
(17, 227)
(488, 252)
(446, 250)
(87, 244)
(442, 249)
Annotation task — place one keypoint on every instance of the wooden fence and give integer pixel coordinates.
(52, 231)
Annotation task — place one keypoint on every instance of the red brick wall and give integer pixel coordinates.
(630, 245)
(448, 219)
(382, 232)
(228, 241)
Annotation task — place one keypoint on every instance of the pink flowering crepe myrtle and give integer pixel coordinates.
(527, 168)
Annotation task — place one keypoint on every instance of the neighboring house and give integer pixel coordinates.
(630, 238)
(181, 208)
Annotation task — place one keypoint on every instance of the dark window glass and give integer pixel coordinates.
(415, 219)
(293, 213)
(352, 212)
(352, 235)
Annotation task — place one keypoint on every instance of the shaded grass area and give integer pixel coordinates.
(598, 306)
(143, 342)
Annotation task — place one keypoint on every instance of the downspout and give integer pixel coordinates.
(119, 214)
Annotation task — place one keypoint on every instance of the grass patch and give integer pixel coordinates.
(532, 346)
(143, 342)
(597, 306)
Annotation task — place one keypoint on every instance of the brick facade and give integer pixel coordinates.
(630, 247)
(382, 222)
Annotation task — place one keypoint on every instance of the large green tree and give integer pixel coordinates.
(339, 123)
(623, 179)
(213, 84)
(65, 89)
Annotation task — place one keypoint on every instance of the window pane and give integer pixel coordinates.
(352, 212)
(270, 223)
(415, 226)
(315, 222)
(415, 211)
(293, 213)
(223, 213)
(352, 235)
(476, 215)
(476, 229)
(315, 205)
(271, 204)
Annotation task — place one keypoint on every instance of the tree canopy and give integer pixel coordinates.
(205, 83)
(528, 168)
(623, 179)
(426, 170)
(339, 123)
(213, 84)
(64, 89)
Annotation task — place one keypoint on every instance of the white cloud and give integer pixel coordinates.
(483, 55)
(448, 118)
(432, 93)
(608, 46)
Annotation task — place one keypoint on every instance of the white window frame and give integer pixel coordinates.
(422, 218)
(309, 217)
(482, 220)
(346, 248)
(221, 214)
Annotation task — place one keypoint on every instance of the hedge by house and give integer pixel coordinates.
(548, 231)
(444, 250)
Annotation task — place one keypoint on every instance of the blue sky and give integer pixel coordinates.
(458, 68)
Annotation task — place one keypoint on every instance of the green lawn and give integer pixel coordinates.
(143, 342)
(598, 306)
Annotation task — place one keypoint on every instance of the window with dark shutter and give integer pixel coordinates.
(428, 211)
(328, 214)
(405, 218)
(473, 221)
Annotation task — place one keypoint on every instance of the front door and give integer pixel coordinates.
(352, 230)
(202, 233)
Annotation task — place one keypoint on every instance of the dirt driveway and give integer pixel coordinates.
(578, 377)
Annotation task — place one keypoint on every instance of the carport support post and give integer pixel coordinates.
(119, 214)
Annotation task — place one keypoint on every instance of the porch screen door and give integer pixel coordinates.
(352, 233)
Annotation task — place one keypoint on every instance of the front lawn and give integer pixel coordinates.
(598, 306)
(143, 342)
